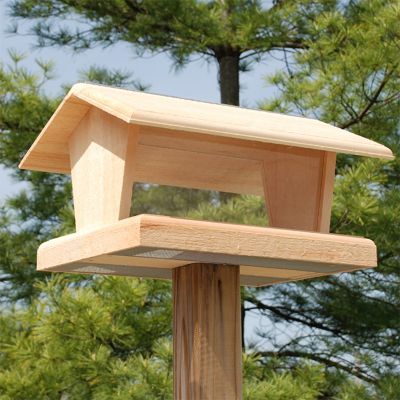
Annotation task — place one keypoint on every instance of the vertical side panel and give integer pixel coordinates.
(297, 188)
(101, 152)
(326, 196)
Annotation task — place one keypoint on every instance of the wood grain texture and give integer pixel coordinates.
(153, 246)
(49, 151)
(326, 192)
(193, 169)
(292, 181)
(207, 336)
(102, 149)
(237, 240)
(298, 188)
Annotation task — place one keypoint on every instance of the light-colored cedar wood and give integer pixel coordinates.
(193, 169)
(50, 150)
(53, 155)
(290, 169)
(207, 144)
(102, 149)
(326, 192)
(298, 187)
(111, 138)
(292, 181)
(207, 332)
(148, 245)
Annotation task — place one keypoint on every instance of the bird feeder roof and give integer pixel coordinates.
(50, 150)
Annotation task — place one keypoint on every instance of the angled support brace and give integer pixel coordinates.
(102, 152)
(298, 188)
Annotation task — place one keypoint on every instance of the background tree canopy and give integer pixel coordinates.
(86, 337)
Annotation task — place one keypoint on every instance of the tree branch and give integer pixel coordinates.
(279, 312)
(318, 358)
(372, 101)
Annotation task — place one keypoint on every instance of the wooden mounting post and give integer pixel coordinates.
(207, 332)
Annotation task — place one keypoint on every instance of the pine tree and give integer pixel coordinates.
(232, 33)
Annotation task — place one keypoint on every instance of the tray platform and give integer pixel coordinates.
(152, 246)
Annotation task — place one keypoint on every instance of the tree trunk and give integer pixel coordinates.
(229, 78)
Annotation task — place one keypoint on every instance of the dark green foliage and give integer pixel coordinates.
(24, 108)
(109, 339)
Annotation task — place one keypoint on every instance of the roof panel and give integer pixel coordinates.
(193, 116)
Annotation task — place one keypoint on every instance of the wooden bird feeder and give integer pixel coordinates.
(110, 138)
